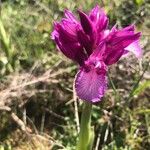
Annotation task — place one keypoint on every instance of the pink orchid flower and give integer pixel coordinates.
(94, 47)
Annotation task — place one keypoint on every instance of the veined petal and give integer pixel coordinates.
(72, 50)
(90, 86)
(65, 35)
(123, 41)
(95, 13)
(69, 26)
(102, 22)
(99, 18)
(113, 56)
(122, 37)
(69, 15)
(117, 42)
(135, 48)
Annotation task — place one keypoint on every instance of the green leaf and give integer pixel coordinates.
(141, 88)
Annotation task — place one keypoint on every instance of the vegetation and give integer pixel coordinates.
(38, 108)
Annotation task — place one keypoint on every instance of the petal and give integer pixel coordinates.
(69, 26)
(123, 37)
(85, 41)
(54, 34)
(113, 56)
(72, 50)
(123, 42)
(117, 41)
(135, 49)
(102, 22)
(65, 35)
(95, 13)
(69, 15)
(129, 28)
(90, 86)
(86, 23)
(100, 52)
(99, 18)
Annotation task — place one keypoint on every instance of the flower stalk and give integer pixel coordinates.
(86, 135)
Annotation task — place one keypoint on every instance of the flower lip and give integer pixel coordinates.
(90, 86)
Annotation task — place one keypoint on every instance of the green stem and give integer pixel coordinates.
(5, 39)
(86, 135)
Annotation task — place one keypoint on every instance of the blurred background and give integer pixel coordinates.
(38, 110)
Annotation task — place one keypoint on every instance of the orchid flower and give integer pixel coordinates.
(90, 43)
